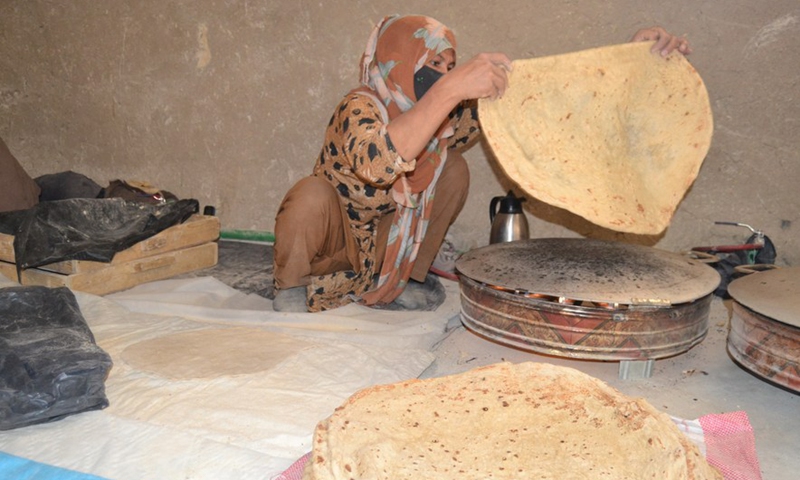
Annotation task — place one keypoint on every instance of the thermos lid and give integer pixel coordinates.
(511, 204)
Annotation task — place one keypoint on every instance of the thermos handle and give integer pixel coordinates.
(493, 208)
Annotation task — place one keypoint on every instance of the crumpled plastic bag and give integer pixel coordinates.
(50, 365)
(86, 228)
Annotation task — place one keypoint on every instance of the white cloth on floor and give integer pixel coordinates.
(237, 426)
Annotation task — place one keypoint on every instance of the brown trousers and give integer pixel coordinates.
(312, 234)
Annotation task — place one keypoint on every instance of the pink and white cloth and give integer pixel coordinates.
(730, 445)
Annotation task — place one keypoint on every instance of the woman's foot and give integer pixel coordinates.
(427, 295)
(290, 300)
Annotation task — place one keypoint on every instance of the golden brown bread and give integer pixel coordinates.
(615, 134)
(530, 420)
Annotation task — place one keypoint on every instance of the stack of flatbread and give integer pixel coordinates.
(615, 134)
(530, 421)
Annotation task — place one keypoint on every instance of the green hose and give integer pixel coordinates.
(248, 235)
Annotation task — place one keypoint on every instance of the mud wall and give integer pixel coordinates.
(226, 101)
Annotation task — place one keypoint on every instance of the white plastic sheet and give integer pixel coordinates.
(233, 426)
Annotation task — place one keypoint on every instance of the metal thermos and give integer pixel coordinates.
(509, 222)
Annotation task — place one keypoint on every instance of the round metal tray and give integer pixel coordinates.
(591, 270)
(772, 293)
(766, 347)
(583, 331)
(764, 337)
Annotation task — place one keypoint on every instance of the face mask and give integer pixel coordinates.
(424, 79)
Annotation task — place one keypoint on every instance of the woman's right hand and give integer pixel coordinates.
(483, 76)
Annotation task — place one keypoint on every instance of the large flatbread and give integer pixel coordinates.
(615, 134)
(530, 420)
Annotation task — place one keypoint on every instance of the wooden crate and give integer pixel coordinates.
(179, 249)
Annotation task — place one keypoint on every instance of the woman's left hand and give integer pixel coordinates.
(665, 41)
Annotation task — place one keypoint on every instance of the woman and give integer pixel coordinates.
(365, 226)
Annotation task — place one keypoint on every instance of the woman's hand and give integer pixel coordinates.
(483, 76)
(665, 41)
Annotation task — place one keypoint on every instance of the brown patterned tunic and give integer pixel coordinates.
(361, 163)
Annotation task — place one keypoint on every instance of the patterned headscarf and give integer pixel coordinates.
(397, 48)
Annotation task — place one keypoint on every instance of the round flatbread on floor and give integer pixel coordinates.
(505, 421)
(614, 134)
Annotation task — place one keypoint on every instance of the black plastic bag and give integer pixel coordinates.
(87, 229)
(50, 365)
(64, 185)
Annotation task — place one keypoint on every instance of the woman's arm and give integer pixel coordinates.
(483, 76)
